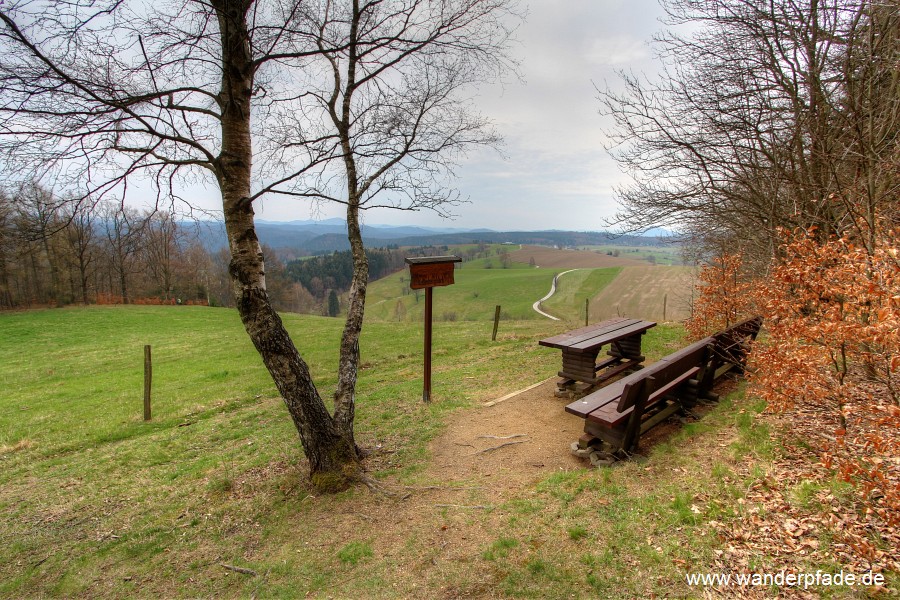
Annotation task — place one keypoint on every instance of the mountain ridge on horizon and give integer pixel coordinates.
(329, 235)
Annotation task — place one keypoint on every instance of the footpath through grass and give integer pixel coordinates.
(573, 288)
(473, 297)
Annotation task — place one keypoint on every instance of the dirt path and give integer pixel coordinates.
(486, 457)
(537, 305)
(543, 432)
(485, 464)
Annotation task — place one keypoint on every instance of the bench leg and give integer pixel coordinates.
(612, 437)
(633, 429)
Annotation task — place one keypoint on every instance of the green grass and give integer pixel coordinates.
(355, 552)
(95, 502)
(658, 255)
(473, 297)
(573, 288)
(493, 263)
(85, 483)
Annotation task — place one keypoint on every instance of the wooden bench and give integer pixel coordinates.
(620, 412)
(580, 348)
(624, 410)
(732, 345)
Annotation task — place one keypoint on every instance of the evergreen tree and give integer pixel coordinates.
(334, 306)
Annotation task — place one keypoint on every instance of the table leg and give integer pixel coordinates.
(629, 347)
(579, 365)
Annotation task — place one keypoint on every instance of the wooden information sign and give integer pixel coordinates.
(431, 271)
(428, 272)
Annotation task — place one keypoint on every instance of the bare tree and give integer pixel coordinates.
(757, 121)
(382, 120)
(161, 249)
(97, 92)
(123, 230)
(38, 222)
(7, 251)
(81, 239)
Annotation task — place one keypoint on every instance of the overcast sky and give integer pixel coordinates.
(556, 173)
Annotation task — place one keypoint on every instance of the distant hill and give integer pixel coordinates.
(330, 235)
(551, 258)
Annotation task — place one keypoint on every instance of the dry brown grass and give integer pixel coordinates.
(639, 292)
(23, 444)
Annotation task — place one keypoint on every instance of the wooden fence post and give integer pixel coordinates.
(148, 377)
(496, 323)
(665, 301)
(587, 309)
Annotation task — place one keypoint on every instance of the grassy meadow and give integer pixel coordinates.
(88, 485)
(473, 297)
(210, 498)
(658, 255)
(95, 501)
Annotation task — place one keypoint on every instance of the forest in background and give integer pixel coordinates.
(56, 252)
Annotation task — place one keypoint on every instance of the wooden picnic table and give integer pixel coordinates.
(580, 348)
(619, 413)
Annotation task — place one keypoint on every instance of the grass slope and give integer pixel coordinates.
(473, 297)
(86, 486)
(96, 503)
(573, 288)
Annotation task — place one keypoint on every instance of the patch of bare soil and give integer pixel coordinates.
(552, 258)
(515, 441)
(485, 457)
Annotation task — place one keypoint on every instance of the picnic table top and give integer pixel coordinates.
(588, 339)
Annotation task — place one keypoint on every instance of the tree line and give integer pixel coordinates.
(319, 274)
(56, 251)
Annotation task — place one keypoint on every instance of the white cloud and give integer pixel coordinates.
(617, 51)
(558, 174)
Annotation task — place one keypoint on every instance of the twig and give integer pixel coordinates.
(502, 437)
(481, 506)
(241, 570)
(492, 448)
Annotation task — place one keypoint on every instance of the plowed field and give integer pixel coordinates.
(640, 292)
(551, 258)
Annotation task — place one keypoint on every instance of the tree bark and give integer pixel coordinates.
(332, 453)
(345, 396)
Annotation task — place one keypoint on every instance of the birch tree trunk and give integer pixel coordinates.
(331, 451)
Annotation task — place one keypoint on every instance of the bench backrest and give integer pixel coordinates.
(664, 371)
(730, 343)
(632, 392)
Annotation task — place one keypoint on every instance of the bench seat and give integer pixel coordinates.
(609, 415)
(620, 412)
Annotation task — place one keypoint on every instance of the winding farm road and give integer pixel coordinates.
(537, 305)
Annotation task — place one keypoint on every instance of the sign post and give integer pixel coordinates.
(426, 273)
